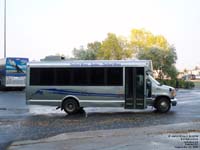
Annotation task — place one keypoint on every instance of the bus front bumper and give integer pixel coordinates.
(174, 102)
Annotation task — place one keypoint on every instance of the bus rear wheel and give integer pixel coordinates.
(70, 106)
(163, 105)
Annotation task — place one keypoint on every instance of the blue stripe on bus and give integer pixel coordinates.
(76, 93)
(15, 74)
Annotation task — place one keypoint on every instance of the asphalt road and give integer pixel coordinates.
(21, 122)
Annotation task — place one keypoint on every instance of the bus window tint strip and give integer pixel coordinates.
(77, 76)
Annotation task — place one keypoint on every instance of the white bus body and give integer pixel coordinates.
(74, 84)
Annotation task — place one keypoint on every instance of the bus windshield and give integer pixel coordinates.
(154, 80)
(16, 66)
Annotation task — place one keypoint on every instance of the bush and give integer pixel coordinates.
(178, 83)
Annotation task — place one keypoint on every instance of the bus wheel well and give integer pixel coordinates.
(69, 98)
(159, 97)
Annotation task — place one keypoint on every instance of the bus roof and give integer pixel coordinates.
(93, 63)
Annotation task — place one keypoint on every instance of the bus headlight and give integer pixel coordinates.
(173, 93)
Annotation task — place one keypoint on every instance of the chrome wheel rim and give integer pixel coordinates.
(70, 107)
(164, 106)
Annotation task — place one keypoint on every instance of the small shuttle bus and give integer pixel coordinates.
(13, 72)
(74, 84)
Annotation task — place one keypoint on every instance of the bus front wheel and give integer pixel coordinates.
(163, 105)
(70, 106)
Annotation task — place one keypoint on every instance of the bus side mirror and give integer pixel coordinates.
(149, 88)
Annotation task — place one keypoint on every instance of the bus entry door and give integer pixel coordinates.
(135, 88)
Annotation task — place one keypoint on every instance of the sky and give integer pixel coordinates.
(37, 28)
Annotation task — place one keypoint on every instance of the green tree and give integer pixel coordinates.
(114, 48)
(93, 50)
(90, 53)
(163, 61)
(126, 47)
(156, 48)
(169, 62)
(142, 44)
(80, 53)
(144, 40)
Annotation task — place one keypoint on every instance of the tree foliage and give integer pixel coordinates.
(114, 48)
(144, 40)
(156, 48)
(141, 44)
(90, 53)
(163, 61)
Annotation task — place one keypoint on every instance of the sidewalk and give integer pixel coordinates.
(163, 137)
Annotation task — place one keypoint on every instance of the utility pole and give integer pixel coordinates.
(5, 29)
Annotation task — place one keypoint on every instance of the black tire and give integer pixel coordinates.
(163, 105)
(70, 106)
